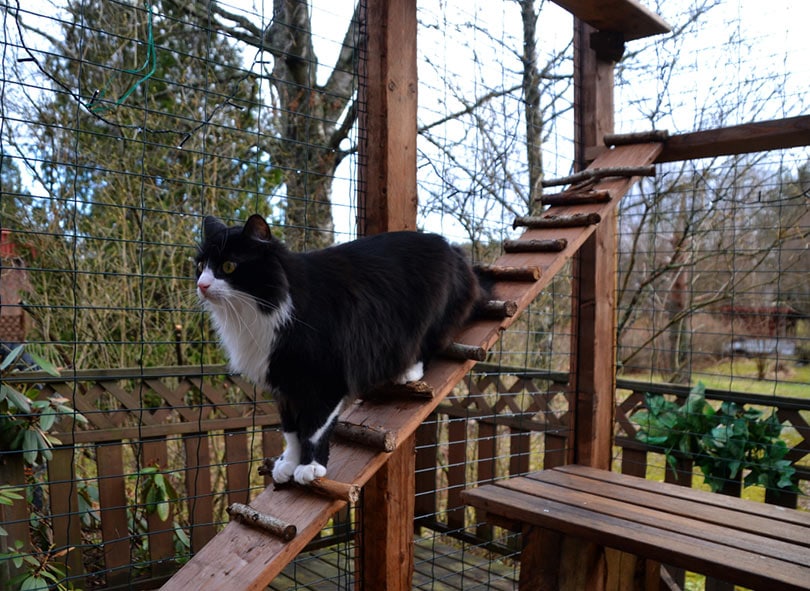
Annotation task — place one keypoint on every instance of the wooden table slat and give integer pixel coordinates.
(745, 567)
(752, 544)
(774, 512)
(663, 519)
(678, 507)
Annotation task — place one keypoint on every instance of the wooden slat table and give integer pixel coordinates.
(570, 515)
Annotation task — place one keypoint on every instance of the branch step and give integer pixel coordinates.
(498, 309)
(465, 352)
(534, 245)
(249, 516)
(575, 198)
(595, 174)
(639, 137)
(333, 489)
(378, 438)
(575, 220)
(417, 389)
(497, 272)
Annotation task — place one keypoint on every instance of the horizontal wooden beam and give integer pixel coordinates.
(628, 17)
(738, 139)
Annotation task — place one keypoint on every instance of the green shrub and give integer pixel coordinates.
(724, 443)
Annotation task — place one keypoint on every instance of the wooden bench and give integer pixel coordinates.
(586, 528)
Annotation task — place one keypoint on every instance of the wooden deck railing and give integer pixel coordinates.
(201, 428)
(206, 431)
(494, 425)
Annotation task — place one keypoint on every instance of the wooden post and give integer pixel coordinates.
(385, 553)
(387, 202)
(387, 148)
(593, 366)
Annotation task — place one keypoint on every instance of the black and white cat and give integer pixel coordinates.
(320, 328)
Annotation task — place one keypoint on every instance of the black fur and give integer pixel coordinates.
(362, 313)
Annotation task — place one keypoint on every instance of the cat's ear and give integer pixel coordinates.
(212, 225)
(256, 228)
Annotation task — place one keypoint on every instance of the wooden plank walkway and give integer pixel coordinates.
(439, 567)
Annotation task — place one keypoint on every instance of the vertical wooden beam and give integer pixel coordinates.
(154, 452)
(113, 503)
(387, 202)
(65, 521)
(594, 269)
(593, 95)
(385, 553)
(388, 96)
(198, 487)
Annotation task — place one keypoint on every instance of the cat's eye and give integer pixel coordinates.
(200, 267)
(228, 267)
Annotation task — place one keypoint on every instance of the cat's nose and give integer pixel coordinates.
(203, 286)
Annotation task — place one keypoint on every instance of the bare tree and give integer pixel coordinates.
(312, 120)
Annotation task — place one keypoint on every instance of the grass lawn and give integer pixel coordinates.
(740, 375)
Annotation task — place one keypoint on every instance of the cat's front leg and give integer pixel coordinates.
(315, 449)
(285, 466)
(412, 374)
(306, 473)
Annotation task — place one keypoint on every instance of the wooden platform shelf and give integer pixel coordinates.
(586, 528)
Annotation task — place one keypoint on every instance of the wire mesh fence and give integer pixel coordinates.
(712, 306)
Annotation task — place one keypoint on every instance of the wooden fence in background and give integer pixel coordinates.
(204, 430)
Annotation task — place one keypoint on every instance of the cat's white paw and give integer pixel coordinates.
(412, 374)
(283, 470)
(306, 473)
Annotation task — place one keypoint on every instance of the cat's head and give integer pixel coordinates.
(241, 259)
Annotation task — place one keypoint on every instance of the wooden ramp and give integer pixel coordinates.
(241, 557)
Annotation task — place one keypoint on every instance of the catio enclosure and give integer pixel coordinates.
(123, 123)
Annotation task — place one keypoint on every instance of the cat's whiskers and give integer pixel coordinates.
(237, 314)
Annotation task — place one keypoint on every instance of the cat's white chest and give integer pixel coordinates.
(246, 332)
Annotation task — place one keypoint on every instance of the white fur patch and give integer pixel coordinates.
(316, 437)
(412, 374)
(308, 473)
(289, 461)
(247, 333)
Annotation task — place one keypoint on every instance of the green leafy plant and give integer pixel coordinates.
(25, 421)
(8, 495)
(157, 491)
(40, 571)
(155, 496)
(724, 442)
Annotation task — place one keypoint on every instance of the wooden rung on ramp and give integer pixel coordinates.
(535, 245)
(463, 352)
(502, 273)
(498, 309)
(591, 175)
(638, 137)
(377, 438)
(575, 198)
(574, 220)
(418, 389)
(326, 487)
(249, 516)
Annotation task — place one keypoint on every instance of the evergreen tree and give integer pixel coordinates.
(150, 124)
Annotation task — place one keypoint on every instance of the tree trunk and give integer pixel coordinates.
(305, 156)
(531, 98)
